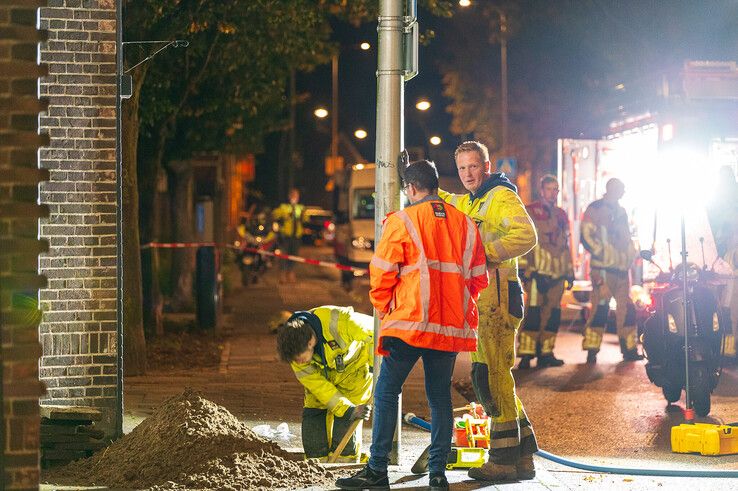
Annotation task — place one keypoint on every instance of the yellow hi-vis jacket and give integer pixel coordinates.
(507, 232)
(552, 256)
(341, 378)
(605, 234)
(290, 219)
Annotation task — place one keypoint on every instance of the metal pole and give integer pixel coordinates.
(119, 214)
(390, 103)
(687, 322)
(334, 106)
(503, 83)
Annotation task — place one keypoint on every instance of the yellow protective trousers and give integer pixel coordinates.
(542, 317)
(605, 285)
(511, 433)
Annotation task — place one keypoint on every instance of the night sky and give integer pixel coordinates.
(570, 53)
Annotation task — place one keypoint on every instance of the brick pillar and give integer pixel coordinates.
(78, 327)
(19, 244)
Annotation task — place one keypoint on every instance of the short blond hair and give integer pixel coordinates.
(473, 146)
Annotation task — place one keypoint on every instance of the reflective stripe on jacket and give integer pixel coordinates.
(605, 234)
(345, 379)
(290, 219)
(552, 256)
(507, 232)
(426, 275)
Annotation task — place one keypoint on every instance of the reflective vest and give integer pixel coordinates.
(426, 275)
(605, 234)
(507, 232)
(551, 257)
(341, 378)
(290, 218)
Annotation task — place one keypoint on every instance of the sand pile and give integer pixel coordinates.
(192, 443)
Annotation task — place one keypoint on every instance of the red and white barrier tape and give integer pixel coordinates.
(289, 257)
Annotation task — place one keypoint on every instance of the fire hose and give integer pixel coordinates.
(413, 420)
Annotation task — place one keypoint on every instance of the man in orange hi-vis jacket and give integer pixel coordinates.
(426, 274)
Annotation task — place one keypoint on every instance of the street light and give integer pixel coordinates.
(365, 46)
(360, 134)
(464, 3)
(435, 140)
(423, 105)
(321, 112)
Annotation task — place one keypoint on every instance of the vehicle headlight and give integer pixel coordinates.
(672, 323)
(362, 243)
(715, 322)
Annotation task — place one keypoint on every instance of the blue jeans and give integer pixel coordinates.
(438, 366)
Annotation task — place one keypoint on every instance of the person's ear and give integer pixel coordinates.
(488, 167)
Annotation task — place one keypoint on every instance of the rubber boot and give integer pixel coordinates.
(494, 472)
(525, 468)
(632, 355)
(525, 362)
(548, 360)
(591, 357)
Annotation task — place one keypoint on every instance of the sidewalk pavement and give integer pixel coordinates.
(256, 387)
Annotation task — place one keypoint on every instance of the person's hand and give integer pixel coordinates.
(362, 411)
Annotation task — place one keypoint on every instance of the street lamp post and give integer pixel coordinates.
(334, 106)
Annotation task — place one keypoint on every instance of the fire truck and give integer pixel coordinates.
(668, 158)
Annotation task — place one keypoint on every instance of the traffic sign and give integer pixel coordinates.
(508, 165)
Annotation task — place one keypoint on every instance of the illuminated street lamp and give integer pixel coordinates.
(464, 3)
(422, 105)
(435, 140)
(360, 134)
(365, 46)
(321, 112)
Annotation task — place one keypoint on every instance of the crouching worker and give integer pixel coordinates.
(330, 350)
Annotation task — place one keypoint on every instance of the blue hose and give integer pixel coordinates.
(413, 420)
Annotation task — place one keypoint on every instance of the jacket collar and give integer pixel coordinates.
(430, 197)
(495, 179)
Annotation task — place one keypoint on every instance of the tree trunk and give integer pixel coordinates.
(134, 343)
(182, 211)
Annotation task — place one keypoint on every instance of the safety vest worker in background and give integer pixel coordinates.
(507, 232)
(548, 269)
(605, 234)
(426, 274)
(331, 351)
(290, 217)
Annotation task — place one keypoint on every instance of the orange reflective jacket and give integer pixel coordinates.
(426, 275)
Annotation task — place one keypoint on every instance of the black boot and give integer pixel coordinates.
(632, 355)
(366, 478)
(438, 482)
(548, 360)
(591, 357)
(525, 362)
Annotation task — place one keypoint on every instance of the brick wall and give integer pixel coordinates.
(19, 244)
(78, 328)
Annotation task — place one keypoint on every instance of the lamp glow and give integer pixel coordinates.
(365, 46)
(435, 140)
(423, 105)
(321, 112)
(360, 134)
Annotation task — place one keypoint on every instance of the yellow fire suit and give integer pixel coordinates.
(605, 234)
(507, 232)
(336, 379)
(548, 266)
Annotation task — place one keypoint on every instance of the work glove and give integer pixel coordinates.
(569, 282)
(362, 411)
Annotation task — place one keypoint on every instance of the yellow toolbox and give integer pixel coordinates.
(705, 439)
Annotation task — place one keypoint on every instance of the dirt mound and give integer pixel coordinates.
(192, 443)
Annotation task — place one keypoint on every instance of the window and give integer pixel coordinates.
(363, 207)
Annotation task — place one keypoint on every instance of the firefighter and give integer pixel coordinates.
(549, 268)
(507, 232)
(330, 349)
(605, 234)
(290, 217)
(426, 275)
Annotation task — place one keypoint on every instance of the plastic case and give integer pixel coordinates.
(705, 439)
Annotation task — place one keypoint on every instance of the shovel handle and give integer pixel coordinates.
(344, 441)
